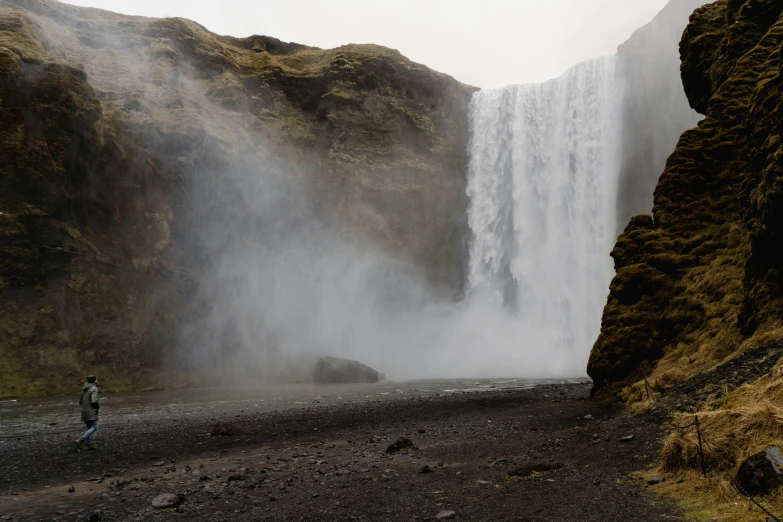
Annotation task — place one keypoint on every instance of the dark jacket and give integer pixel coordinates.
(89, 402)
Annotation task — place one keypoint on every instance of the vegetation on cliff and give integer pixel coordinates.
(113, 125)
(698, 283)
(698, 280)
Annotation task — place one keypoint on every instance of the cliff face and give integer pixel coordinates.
(700, 279)
(654, 108)
(117, 137)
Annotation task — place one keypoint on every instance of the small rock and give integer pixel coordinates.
(402, 445)
(762, 473)
(71, 489)
(426, 469)
(222, 429)
(95, 517)
(627, 438)
(588, 417)
(422, 431)
(446, 515)
(656, 481)
(165, 500)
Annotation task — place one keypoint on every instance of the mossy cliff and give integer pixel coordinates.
(700, 279)
(654, 108)
(110, 124)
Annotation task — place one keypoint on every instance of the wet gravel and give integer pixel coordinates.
(330, 462)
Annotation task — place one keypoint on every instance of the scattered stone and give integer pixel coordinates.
(422, 431)
(656, 481)
(222, 429)
(159, 463)
(536, 469)
(762, 473)
(627, 438)
(233, 478)
(446, 515)
(95, 517)
(165, 500)
(401, 446)
(71, 489)
(426, 469)
(588, 417)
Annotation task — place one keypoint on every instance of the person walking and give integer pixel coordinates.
(90, 406)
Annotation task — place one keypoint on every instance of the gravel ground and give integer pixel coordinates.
(543, 454)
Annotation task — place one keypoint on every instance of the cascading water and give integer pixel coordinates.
(542, 186)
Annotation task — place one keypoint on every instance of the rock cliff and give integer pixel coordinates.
(116, 139)
(654, 108)
(700, 279)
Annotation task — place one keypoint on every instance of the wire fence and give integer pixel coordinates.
(649, 389)
(702, 442)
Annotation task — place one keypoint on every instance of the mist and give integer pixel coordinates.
(282, 277)
(287, 281)
(286, 285)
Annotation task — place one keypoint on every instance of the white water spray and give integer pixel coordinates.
(286, 289)
(543, 186)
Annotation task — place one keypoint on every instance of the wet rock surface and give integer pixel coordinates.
(762, 473)
(278, 468)
(332, 370)
(709, 388)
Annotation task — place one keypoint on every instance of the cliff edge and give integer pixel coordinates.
(117, 133)
(699, 280)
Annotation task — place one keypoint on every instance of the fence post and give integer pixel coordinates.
(646, 384)
(701, 451)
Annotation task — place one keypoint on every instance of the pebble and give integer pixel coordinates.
(165, 500)
(446, 515)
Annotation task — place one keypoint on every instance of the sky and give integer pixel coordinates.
(485, 43)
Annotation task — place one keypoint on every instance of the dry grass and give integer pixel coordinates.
(713, 498)
(750, 419)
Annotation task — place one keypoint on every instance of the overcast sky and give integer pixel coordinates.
(486, 43)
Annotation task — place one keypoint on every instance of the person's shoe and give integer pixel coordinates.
(78, 445)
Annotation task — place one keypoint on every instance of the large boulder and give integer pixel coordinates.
(762, 473)
(331, 370)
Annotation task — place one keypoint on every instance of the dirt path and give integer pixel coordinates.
(330, 463)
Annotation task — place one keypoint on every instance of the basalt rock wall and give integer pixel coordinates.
(700, 278)
(112, 127)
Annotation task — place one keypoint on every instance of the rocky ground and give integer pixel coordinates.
(708, 389)
(548, 453)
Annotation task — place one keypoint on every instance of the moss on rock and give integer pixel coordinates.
(108, 121)
(703, 275)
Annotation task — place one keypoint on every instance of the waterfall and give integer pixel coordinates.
(542, 188)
